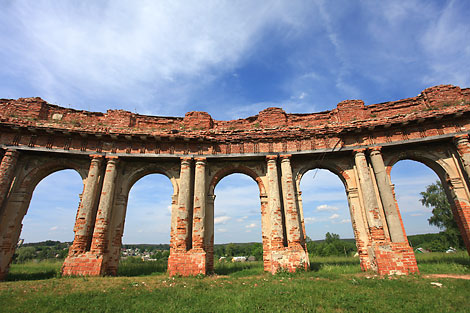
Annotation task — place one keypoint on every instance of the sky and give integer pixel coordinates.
(231, 59)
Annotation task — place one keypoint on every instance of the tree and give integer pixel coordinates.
(434, 197)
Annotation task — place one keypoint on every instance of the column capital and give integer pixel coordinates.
(376, 148)
(111, 159)
(201, 160)
(96, 156)
(186, 159)
(271, 157)
(286, 156)
(458, 139)
(358, 151)
(11, 150)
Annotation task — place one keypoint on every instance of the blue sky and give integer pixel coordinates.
(231, 59)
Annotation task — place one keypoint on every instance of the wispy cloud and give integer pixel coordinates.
(326, 207)
(222, 219)
(334, 216)
(156, 52)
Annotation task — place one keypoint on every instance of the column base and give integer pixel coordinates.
(86, 264)
(291, 259)
(188, 263)
(396, 258)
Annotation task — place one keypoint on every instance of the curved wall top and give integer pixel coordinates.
(32, 123)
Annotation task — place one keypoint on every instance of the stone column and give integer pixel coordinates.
(266, 231)
(369, 196)
(199, 204)
(7, 171)
(100, 240)
(359, 227)
(15, 208)
(274, 205)
(209, 233)
(293, 225)
(463, 147)
(300, 207)
(183, 215)
(84, 222)
(386, 195)
(460, 206)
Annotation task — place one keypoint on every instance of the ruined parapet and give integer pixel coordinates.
(198, 121)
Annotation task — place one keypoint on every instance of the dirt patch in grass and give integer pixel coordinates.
(456, 276)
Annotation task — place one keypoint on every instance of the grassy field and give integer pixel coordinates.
(334, 284)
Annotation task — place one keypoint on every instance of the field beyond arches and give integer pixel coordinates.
(332, 284)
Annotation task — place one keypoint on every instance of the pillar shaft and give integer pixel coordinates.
(386, 195)
(199, 204)
(293, 225)
(100, 240)
(7, 171)
(274, 205)
(209, 233)
(84, 222)
(463, 147)
(369, 196)
(183, 215)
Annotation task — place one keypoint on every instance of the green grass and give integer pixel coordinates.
(334, 284)
(441, 262)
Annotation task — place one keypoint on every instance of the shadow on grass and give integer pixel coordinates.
(317, 263)
(248, 268)
(141, 268)
(446, 259)
(32, 276)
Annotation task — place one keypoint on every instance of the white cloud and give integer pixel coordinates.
(326, 207)
(252, 225)
(241, 219)
(222, 230)
(96, 49)
(54, 228)
(309, 220)
(334, 216)
(221, 219)
(345, 220)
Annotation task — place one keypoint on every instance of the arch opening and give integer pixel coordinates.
(237, 220)
(46, 223)
(147, 224)
(326, 213)
(415, 216)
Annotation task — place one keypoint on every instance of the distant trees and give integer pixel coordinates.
(331, 246)
(434, 197)
(41, 251)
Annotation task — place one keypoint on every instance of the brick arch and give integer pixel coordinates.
(333, 168)
(434, 162)
(32, 178)
(233, 170)
(141, 172)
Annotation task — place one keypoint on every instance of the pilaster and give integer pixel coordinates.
(183, 214)
(274, 204)
(369, 196)
(463, 147)
(293, 225)
(386, 195)
(7, 171)
(199, 204)
(87, 208)
(100, 242)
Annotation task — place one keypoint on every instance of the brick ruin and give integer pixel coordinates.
(112, 150)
